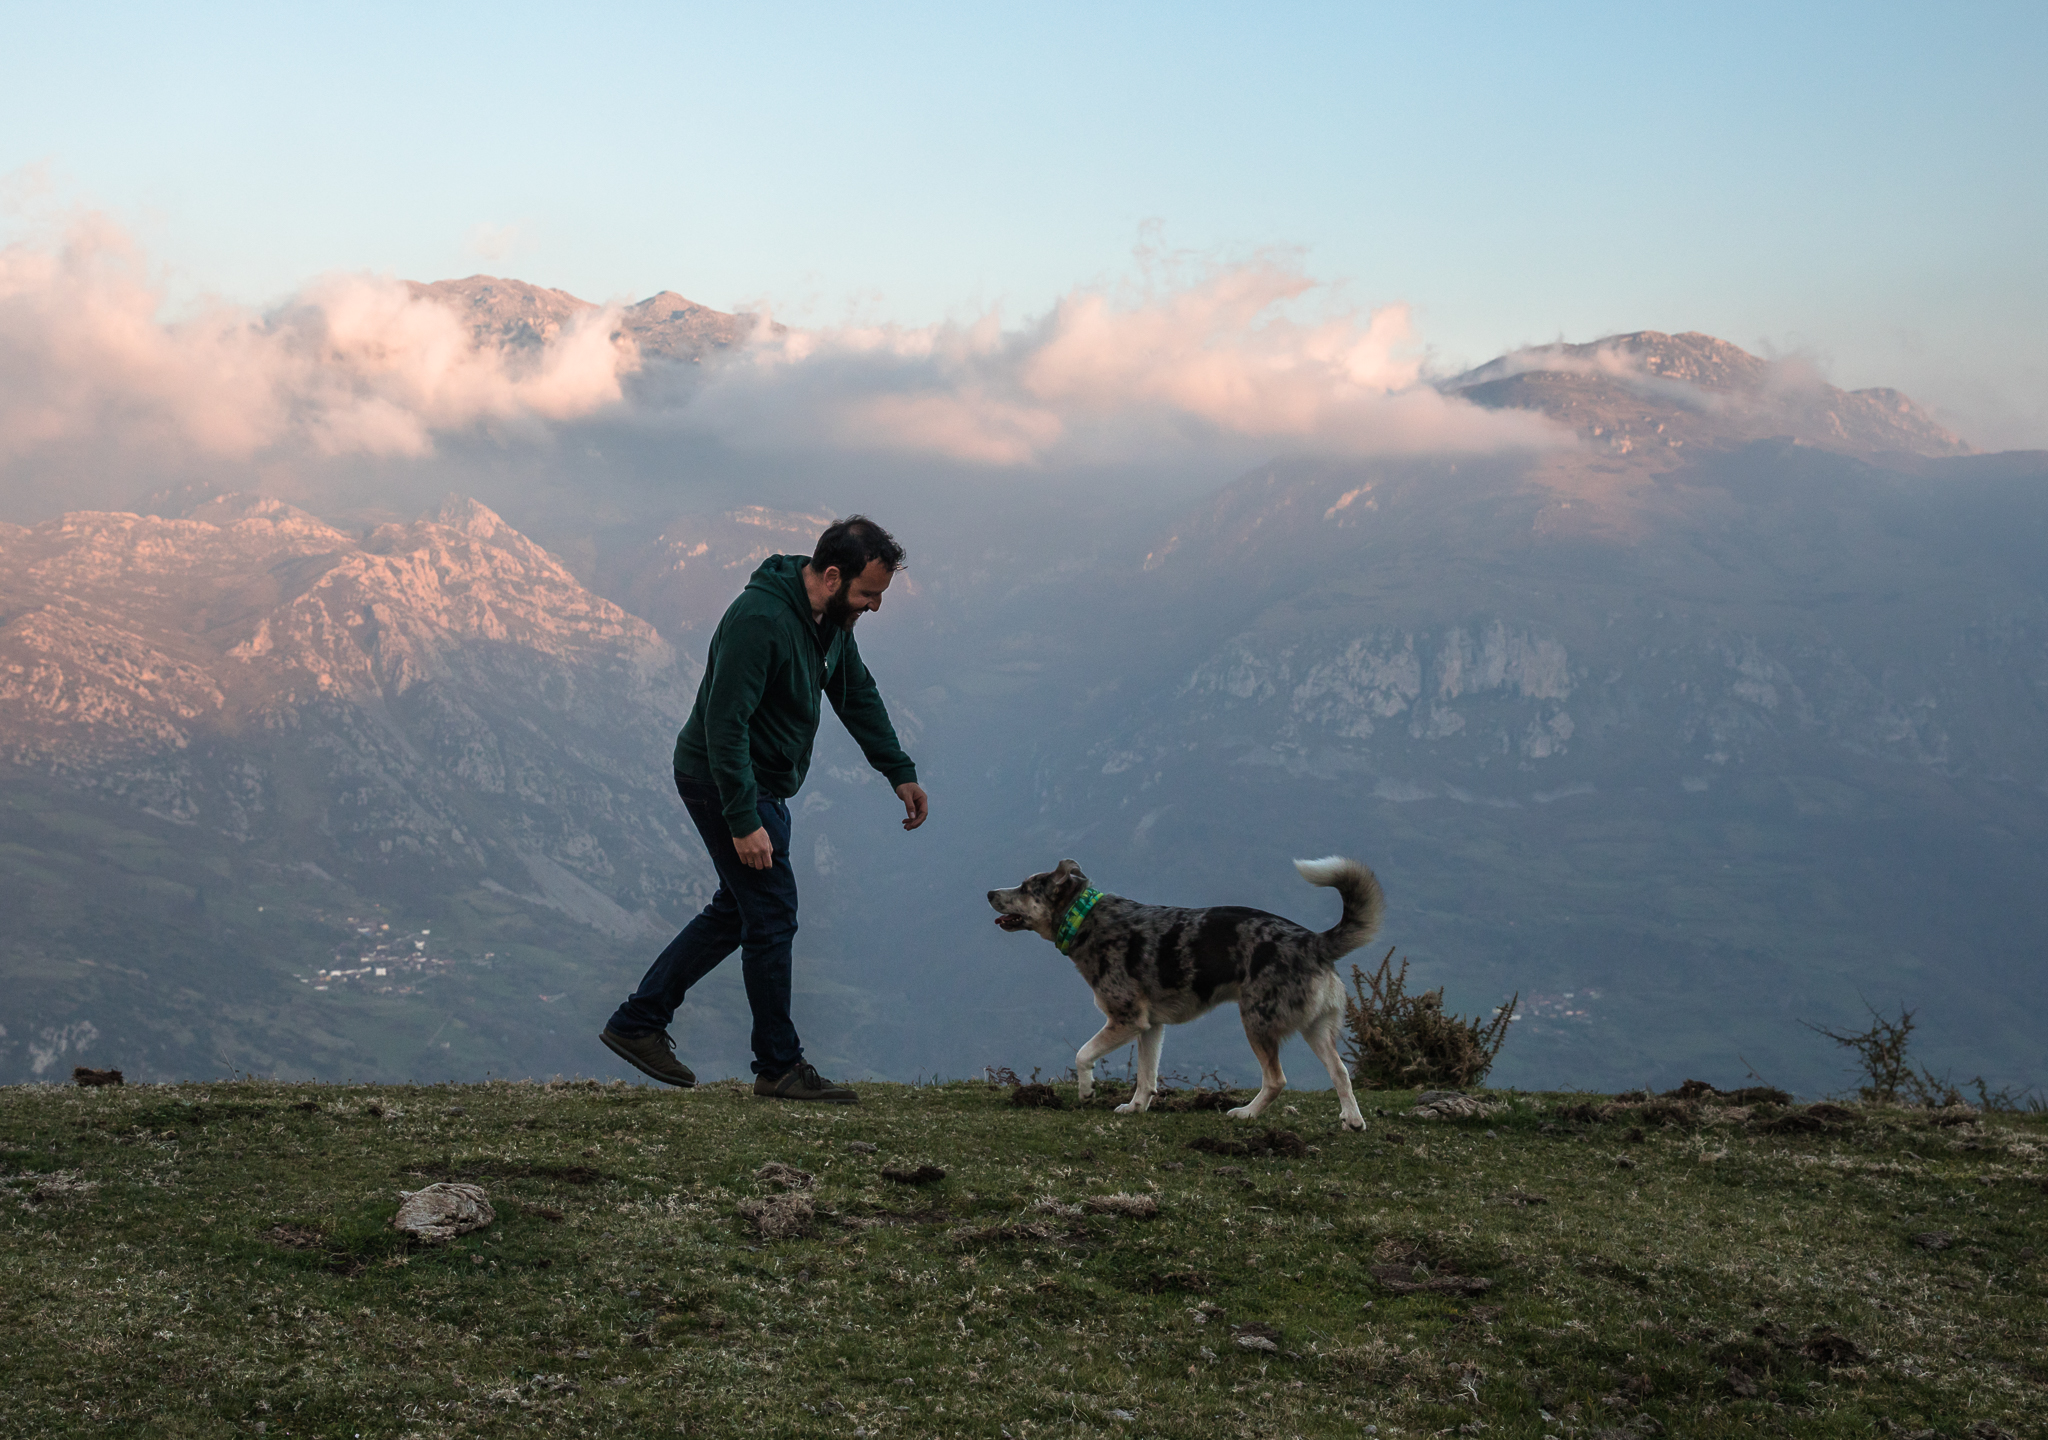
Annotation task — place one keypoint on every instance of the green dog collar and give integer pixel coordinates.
(1074, 919)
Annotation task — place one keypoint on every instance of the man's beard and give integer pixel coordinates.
(838, 613)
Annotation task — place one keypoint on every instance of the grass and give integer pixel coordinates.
(213, 1260)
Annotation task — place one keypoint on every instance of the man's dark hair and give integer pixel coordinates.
(853, 544)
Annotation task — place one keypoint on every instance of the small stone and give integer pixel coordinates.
(443, 1211)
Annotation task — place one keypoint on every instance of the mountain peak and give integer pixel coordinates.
(1648, 393)
(472, 517)
(515, 315)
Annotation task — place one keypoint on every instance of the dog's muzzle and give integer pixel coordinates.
(1005, 920)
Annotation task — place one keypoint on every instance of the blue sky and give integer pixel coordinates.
(1864, 184)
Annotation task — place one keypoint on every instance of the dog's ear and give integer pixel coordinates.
(1068, 881)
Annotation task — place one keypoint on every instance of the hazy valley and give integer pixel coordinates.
(1724, 712)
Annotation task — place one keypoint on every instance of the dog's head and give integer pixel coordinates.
(1039, 902)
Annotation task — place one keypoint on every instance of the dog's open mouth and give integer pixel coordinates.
(1012, 922)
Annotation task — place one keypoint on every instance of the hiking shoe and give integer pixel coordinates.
(803, 1083)
(653, 1053)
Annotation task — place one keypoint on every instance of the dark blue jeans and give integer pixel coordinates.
(753, 912)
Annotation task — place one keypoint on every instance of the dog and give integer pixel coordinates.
(1151, 966)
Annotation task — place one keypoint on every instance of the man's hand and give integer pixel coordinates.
(757, 851)
(915, 805)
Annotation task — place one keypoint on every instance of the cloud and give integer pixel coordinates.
(352, 365)
(1217, 361)
(495, 244)
(1612, 360)
(98, 384)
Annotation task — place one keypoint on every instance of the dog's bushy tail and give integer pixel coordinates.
(1363, 902)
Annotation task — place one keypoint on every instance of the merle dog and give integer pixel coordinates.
(1151, 966)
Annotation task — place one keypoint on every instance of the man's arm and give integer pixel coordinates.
(744, 653)
(858, 704)
(916, 805)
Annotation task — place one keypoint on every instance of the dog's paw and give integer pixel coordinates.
(1356, 1127)
(1130, 1107)
(1242, 1112)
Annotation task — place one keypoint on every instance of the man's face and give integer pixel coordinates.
(857, 594)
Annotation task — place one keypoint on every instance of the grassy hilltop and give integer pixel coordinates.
(213, 1260)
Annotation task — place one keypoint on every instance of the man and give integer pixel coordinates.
(740, 757)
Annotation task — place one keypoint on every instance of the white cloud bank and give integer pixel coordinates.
(1095, 380)
(352, 365)
(357, 365)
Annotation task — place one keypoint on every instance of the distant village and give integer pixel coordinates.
(1571, 1005)
(386, 962)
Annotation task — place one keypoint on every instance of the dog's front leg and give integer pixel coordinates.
(1110, 1037)
(1148, 1071)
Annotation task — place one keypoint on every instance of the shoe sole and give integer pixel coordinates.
(813, 1099)
(634, 1061)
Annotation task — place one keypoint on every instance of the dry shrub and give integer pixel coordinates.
(1892, 1077)
(1008, 1233)
(783, 1177)
(1400, 1041)
(1378, 1364)
(779, 1217)
(59, 1187)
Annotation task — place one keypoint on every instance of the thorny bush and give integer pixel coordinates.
(1401, 1041)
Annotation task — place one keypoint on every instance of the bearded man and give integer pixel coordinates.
(786, 641)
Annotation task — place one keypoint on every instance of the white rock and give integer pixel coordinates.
(441, 1212)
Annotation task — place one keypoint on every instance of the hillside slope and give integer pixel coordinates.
(213, 1259)
(241, 743)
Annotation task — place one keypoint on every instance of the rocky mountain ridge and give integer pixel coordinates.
(126, 633)
(1651, 395)
(513, 315)
(433, 718)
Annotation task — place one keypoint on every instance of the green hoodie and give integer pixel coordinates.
(757, 709)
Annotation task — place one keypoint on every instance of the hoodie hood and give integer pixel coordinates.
(783, 576)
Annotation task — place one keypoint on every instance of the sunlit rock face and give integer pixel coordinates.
(439, 693)
(517, 316)
(1651, 395)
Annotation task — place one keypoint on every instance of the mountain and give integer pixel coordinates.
(513, 315)
(1651, 395)
(1782, 745)
(1727, 716)
(431, 727)
(1685, 743)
